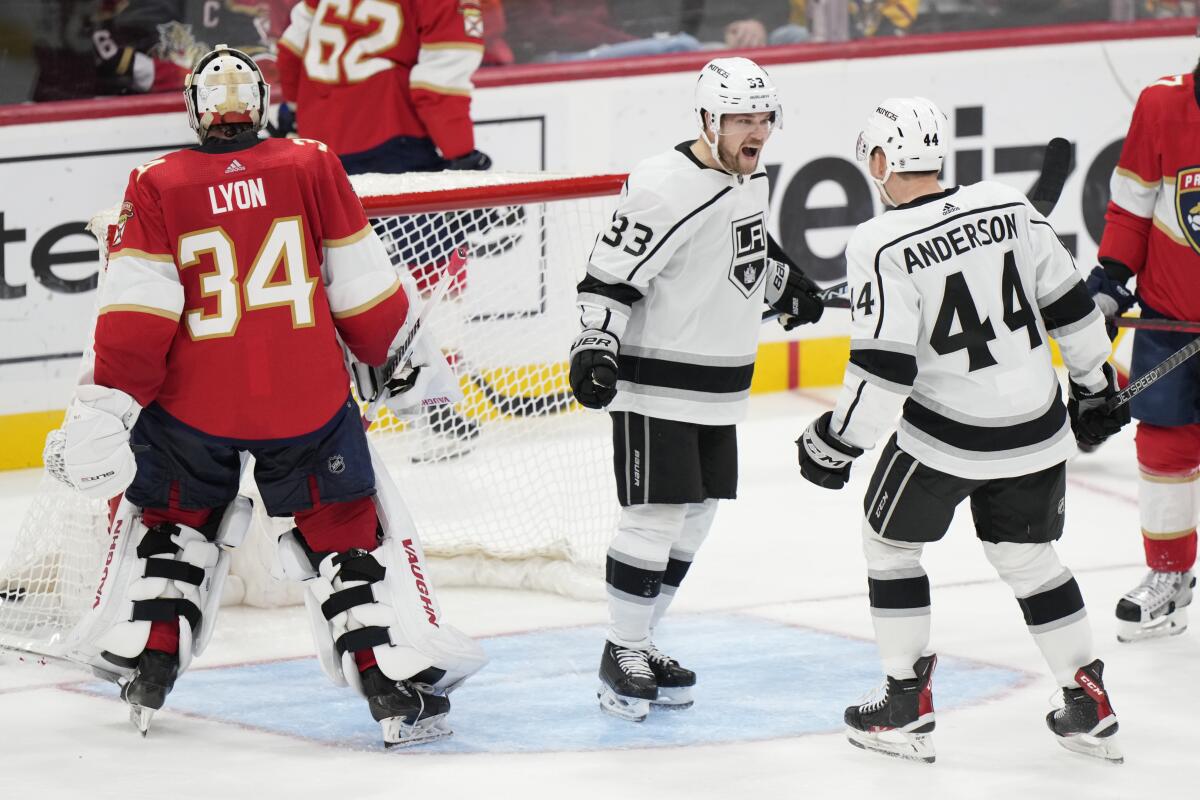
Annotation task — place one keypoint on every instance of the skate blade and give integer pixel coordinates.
(140, 716)
(1106, 748)
(633, 709)
(1171, 624)
(908, 746)
(673, 698)
(398, 733)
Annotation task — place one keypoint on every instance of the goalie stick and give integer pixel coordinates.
(1056, 166)
(457, 262)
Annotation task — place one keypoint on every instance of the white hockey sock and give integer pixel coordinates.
(696, 525)
(1051, 602)
(900, 612)
(637, 561)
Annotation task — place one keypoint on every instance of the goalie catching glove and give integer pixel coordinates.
(824, 458)
(594, 368)
(792, 294)
(91, 451)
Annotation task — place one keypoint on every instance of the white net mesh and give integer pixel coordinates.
(512, 486)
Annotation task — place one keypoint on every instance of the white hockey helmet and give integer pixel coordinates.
(911, 132)
(734, 86)
(226, 86)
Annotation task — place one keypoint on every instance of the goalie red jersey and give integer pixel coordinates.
(231, 268)
(361, 74)
(1153, 219)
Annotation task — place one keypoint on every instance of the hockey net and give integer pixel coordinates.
(510, 487)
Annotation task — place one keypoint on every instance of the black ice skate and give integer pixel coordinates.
(898, 719)
(1086, 723)
(410, 713)
(674, 681)
(147, 689)
(1155, 607)
(627, 684)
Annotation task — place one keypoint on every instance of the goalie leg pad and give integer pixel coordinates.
(369, 601)
(161, 573)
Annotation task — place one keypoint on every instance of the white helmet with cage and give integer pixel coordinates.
(911, 132)
(226, 86)
(734, 86)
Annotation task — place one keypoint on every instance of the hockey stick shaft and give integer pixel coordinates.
(1172, 325)
(1056, 166)
(1153, 375)
(457, 262)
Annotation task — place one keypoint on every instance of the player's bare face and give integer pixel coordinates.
(743, 137)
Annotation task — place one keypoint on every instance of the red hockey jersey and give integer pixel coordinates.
(365, 71)
(231, 267)
(1153, 219)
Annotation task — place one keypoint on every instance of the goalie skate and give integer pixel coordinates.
(897, 719)
(627, 684)
(147, 689)
(1086, 724)
(1156, 607)
(409, 713)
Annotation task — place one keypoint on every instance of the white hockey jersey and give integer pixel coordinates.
(678, 279)
(953, 297)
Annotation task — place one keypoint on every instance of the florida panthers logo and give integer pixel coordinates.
(749, 253)
(1187, 204)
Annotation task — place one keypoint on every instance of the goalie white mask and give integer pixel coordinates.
(734, 86)
(911, 132)
(225, 87)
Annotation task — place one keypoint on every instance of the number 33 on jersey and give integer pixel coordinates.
(953, 299)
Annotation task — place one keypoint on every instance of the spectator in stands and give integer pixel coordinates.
(761, 23)
(577, 30)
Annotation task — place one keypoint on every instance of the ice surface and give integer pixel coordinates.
(774, 618)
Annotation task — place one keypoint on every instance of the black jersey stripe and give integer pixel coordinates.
(853, 404)
(1073, 306)
(986, 439)
(621, 293)
(676, 227)
(893, 367)
(911, 234)
(679, 375)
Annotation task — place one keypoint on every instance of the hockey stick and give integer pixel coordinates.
(457, 262)
(1153, 375)
(1056, 166)
(1173, 325)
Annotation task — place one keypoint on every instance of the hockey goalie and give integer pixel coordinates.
(235, 268)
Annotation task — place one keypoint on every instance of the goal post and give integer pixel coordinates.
(511, 487)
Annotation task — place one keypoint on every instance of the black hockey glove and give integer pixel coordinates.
(594, 368)
(472, 160)
(1106, 285)
(1091, 421)
(792, 294)
(284, 124)
(824, 459)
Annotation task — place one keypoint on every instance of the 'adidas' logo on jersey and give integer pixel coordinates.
(949, 208)
(235, 166)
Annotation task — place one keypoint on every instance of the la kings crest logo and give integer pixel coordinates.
(1187, 204)
(749, 253)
